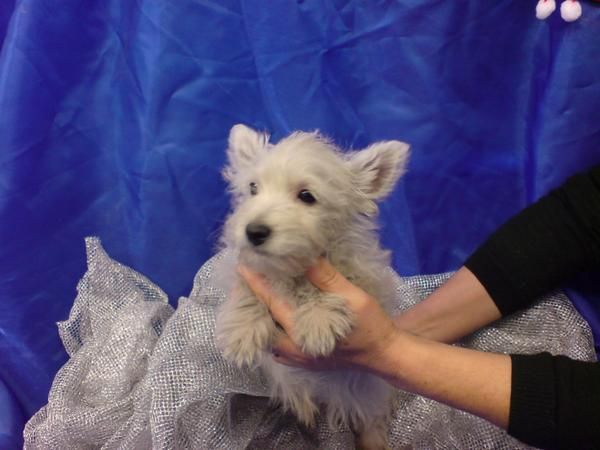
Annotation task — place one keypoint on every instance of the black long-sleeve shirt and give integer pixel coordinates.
(555, 401)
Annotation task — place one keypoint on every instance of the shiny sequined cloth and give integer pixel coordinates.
(142, 375)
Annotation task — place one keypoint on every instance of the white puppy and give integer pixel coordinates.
(293, 202)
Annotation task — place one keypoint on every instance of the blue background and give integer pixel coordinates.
(114, 117)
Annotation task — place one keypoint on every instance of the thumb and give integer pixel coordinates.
(326, 277)
(281, 310)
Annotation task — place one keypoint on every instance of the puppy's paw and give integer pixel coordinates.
(373, 436)
(244, 333)
(244, 346)
(321, 324)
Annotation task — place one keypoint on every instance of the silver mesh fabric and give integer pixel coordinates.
(142, 375)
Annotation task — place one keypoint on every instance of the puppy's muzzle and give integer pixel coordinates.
(257, 233)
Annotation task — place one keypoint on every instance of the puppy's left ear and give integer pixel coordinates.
(378, 167)
(245, 148)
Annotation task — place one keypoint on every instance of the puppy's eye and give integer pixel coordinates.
(253, 188)
(306, 196)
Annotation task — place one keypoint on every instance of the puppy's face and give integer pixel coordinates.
(291, 200)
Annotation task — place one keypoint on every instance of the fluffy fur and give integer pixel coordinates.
(266, 182)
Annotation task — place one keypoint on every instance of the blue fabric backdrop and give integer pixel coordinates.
(114, 116)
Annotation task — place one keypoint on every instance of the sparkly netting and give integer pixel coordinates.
(142, 375)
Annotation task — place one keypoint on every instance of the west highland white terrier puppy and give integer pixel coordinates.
(293, 202)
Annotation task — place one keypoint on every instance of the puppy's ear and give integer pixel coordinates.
(377, 168)
(245, 147)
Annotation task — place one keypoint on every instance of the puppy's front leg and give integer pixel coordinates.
(244, 328)
(320, 323)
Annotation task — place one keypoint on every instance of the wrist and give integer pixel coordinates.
(457, 308)
(404, 359)
(388, 362)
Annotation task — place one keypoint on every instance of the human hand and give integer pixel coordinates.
(371, 336)
(474, 381)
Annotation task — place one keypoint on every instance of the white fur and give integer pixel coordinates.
(339, 225)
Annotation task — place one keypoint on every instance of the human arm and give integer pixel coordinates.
(543, 246)
(555, 401)
(533, 252)
(457, 308)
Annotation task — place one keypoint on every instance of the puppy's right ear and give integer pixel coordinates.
(245, 147)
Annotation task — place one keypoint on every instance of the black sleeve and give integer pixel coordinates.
(543, 246)
(555, 401)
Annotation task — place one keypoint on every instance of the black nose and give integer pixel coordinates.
(257, 233)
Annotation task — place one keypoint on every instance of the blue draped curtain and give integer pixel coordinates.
(114, 116)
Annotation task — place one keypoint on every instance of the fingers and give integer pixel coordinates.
(287, 353)
(286, 348)
(326, 277)
(281, 311)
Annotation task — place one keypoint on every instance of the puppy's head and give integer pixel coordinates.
(293, 198)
